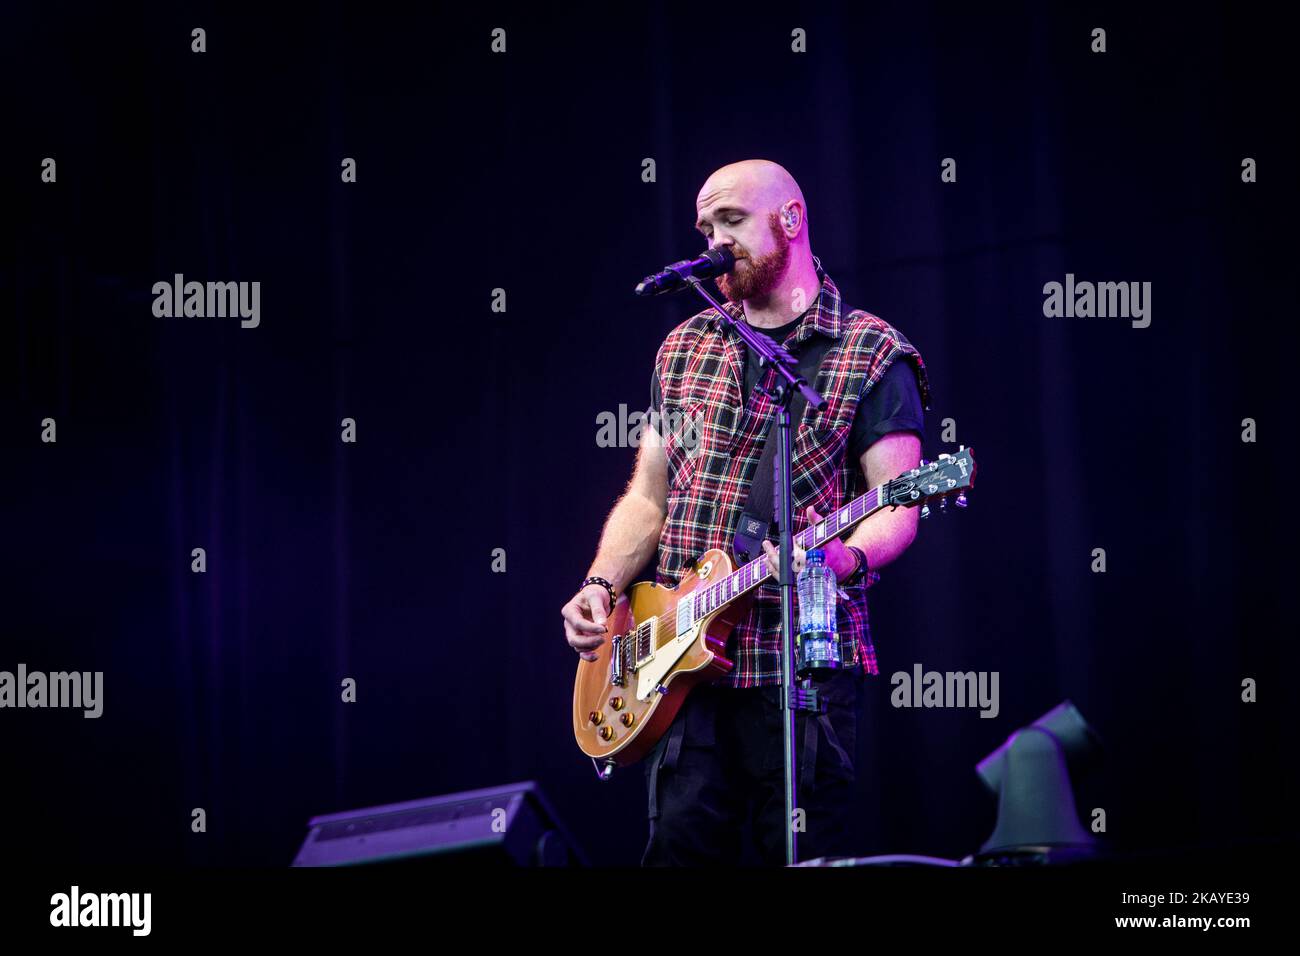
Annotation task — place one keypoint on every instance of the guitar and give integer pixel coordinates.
(668, 640)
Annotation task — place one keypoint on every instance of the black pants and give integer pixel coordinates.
(721, 763)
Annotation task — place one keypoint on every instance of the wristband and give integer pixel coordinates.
(603, 583)
(861, 570)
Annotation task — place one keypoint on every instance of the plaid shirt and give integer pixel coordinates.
(699, 369)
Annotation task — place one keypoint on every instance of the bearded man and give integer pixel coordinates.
(720, 766)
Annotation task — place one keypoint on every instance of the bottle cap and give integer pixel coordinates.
(816, 556)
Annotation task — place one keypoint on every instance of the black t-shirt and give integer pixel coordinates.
(892, 405)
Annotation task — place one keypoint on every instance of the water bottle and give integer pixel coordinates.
(818, 643)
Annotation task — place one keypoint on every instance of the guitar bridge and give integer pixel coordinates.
(617, 671)
(630, 651)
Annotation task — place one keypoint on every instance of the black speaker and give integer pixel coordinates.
(501, 826)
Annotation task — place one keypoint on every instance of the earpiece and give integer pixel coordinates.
(789, 217)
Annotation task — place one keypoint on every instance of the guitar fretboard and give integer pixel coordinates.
(709, 599)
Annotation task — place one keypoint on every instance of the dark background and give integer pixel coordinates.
(476, 430)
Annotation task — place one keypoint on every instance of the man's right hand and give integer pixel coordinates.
(584, 620)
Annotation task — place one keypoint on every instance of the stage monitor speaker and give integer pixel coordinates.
(500, 826)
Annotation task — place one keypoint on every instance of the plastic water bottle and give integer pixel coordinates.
(819, 645)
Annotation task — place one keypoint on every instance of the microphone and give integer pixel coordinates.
(713, 262)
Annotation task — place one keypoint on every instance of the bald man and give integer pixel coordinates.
(719, 770)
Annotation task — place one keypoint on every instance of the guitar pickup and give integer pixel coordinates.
(684, 617)
(644, 648)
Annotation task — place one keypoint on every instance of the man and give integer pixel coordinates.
(721, 764)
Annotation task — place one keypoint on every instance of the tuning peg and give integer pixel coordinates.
(925, 511)
(943, 504)
(922, 462)
(961, 501)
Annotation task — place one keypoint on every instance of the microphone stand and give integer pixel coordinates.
(793, 698)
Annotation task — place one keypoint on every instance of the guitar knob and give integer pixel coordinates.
(616, 703)
(606, 733)
(925, 511)
(627, 719)
(596, 717)
(961, 501)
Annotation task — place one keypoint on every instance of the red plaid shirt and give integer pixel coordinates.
(700, 370)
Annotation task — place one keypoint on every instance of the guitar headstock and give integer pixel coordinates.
(947, 474)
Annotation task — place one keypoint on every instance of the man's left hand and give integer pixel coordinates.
(838, 557)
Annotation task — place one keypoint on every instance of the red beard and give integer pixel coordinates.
(760, 276)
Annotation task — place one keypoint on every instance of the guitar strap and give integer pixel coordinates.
(808, 756)
(759, 513)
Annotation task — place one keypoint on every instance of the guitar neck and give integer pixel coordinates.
(749, 576)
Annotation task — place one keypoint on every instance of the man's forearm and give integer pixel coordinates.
(630, 539)
(884, 536)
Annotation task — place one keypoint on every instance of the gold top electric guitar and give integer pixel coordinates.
(667, 640)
